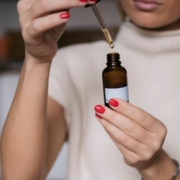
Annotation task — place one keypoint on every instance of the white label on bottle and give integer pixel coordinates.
(121, 93)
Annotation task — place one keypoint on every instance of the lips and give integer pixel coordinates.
(147, 5)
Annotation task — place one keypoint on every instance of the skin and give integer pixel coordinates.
(35, 128)
(166, 17)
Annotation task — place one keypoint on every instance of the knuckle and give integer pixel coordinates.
(147, 155)
(164, 130)
(141, 117)
(43, 4)
(123, 139)
(35, 27)
(124, 104)
(131, 128)
(73, 3)
(22, 6)
(156, 146)
(113, 116)
(108, 127)
(25, 36)
(23, 21)
(131, 161)
(134, 161)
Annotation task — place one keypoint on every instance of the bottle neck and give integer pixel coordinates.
(113, 60)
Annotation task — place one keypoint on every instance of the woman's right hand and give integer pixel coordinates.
(42, 23)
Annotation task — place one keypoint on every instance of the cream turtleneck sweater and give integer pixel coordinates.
(152, 60)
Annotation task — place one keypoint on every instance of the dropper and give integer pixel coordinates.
(103, 26)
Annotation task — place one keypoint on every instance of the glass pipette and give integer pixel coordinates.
(103, 26)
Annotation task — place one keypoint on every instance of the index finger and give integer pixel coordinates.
(24, 5)
(136, 114)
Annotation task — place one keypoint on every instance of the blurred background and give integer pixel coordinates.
(82, 27)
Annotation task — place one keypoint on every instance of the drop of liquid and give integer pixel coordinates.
(111, 45)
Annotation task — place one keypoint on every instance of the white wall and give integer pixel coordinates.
(8, 83)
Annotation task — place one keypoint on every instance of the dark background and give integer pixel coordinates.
(8, 0)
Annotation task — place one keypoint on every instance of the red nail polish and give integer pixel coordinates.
(83, 0)
(99, 109)
(65, 15)
(98, 116)
(113, 103)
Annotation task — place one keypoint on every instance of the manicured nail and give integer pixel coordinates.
(99, 109)
(65, 15)
(113, 103)
(83, 0)
(88, 5)
(98, 116)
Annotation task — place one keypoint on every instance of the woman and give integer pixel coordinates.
(149, 43)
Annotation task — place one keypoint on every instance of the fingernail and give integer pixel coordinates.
(83, 0)
(99, 109)
(113, 103)
(88, 5)
(65, 15)
(98, 116)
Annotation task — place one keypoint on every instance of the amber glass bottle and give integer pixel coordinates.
(114, 79)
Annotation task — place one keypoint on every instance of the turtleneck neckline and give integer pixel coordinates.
(152, 33)
(147, 41)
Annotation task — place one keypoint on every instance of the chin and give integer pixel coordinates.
(146, 24)
(147, 21)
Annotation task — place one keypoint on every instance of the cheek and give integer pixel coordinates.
(167, 14)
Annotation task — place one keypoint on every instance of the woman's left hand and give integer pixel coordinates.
(137, 134)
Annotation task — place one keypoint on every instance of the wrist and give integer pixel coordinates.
(33, 63)
(161, 168)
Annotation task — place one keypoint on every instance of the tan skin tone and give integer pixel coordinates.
(41, 119)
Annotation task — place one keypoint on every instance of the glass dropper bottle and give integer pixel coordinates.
(114, 77)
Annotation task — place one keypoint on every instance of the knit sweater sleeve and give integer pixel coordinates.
(60, 85)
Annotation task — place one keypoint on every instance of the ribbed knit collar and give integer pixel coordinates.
(146, 40)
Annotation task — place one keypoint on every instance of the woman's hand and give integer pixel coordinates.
(42, 23)
(137, 134)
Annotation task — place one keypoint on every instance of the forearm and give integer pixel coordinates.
(23, 143)
(162, 168)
